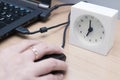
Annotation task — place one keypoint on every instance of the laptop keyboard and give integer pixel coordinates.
(10, 13)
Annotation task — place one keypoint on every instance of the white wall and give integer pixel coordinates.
(115, 4)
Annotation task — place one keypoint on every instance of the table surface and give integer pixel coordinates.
(82, 64)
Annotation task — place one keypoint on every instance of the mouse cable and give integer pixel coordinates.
(23, 30)
(65, 30)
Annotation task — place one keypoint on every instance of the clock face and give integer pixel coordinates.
(89, 29)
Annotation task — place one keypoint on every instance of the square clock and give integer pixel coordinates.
(92, 27)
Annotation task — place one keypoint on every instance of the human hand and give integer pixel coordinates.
(17, 62)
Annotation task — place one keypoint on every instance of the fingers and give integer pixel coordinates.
(51, 77)
(48, 65)
(41, 49)
(19, 47)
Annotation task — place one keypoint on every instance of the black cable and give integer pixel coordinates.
(60, 5)
(57, 25)
(65, 30)
(23, 30)
(44, 16)
(45, 29)
(68, 23)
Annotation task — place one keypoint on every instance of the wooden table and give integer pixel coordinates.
(82, 64)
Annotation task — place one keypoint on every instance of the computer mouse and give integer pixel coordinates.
(56, 56)
(61, 56)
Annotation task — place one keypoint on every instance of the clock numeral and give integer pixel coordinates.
(100, 37)
(96, 40)
(103, 32)
(82, 20)
(79, 25)
(90, 40)
(80, 31)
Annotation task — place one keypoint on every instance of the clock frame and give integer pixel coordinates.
(107, 18)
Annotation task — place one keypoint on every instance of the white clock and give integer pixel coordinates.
(92, 27)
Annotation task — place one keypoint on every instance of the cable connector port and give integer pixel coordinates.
(44, 16)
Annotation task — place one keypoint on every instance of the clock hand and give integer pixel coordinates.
(90, 29)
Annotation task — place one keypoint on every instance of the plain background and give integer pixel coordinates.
(115, 4)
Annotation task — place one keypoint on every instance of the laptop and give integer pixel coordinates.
(15, 13)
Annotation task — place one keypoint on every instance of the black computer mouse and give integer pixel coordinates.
(54, 55)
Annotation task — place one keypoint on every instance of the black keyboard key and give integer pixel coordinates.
(2, 24)
(1, 4)
(2, 18)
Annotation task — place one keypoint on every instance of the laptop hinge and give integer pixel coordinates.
(43, 5)
(40, 3)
